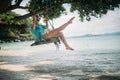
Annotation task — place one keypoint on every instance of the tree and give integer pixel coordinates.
(10, 28)
(96, 8)
(85, 8)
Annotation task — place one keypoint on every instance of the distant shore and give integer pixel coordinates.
(18, 39)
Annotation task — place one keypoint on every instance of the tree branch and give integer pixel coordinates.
(11, 7)
(22, 7)
(26, 15)
(38, 11)
(19, 2)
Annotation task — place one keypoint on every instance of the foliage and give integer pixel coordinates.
(5, 3)
(52, 11)
(6, 18)
(6, 33)
(96, 8)
(86, 8)
(11, 31)
(11, 34)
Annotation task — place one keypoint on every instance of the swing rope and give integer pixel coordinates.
(51, 24)
(58, 41)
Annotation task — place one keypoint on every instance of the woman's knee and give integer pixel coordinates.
(60, 34)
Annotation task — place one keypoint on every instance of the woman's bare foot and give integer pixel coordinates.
(70, 21)
(69, 48)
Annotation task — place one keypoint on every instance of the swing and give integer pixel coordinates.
(46, 41)
(54, 40)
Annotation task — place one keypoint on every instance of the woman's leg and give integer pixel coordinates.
(64, 41)
(55, 32)
(62, 38)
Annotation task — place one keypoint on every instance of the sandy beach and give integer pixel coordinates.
(58, 65)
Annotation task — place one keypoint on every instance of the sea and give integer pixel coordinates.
(94, 58)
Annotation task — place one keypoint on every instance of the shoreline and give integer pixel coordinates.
(27, 64)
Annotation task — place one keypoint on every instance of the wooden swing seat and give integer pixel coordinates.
(46, 41)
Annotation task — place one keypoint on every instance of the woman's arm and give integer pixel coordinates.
(34, 22)
(46, 21)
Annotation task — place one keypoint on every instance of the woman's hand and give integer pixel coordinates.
(46, 17)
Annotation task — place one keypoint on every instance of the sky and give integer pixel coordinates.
(106, 24)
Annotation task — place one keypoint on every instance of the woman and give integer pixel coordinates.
(37, 28)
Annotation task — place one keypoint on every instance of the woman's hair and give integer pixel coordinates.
(38, 18)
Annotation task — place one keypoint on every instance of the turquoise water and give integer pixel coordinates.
(85, 43)
(97, 43)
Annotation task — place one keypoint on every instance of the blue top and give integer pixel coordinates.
(39, 32)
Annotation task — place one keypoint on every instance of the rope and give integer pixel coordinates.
(56, 43)
(52, 25)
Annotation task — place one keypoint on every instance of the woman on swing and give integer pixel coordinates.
(53, 33)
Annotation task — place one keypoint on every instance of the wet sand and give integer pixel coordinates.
(58, 65)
